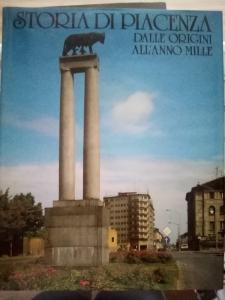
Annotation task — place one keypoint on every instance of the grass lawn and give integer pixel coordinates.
(30, 273)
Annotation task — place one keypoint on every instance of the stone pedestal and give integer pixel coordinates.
(78, 229)
(77, 235)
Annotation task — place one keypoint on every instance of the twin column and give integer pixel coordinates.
(91, 156)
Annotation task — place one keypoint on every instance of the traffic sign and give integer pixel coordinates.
(167, 240)
(167, 231)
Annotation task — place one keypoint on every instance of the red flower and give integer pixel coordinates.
(84, 282)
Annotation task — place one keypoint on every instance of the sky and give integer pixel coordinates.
(161, 117)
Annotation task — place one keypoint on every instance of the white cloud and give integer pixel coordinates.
(132, 114)
(166, 181)
(40, 180)
(48, 126)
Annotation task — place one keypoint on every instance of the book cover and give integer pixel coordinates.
(116, 112)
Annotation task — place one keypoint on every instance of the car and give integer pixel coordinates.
(183, 247)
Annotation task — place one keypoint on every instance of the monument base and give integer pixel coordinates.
(77, 234)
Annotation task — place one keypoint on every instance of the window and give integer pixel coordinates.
(198, 196)
(222, 225)
(212, 210)
(222, 212)
(112, 239)
(217, 195)
(212, 226)
(206, 195)
(211, 195)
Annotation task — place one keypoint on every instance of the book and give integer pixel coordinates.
(160, 79)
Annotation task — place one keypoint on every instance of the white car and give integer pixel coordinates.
(184, 247)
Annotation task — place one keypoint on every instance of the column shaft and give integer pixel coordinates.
(66, 143)
(91, 155)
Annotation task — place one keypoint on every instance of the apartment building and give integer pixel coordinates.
(132, 215)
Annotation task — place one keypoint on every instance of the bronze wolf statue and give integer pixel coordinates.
(77, 42)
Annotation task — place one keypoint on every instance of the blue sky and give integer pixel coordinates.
(156, 110)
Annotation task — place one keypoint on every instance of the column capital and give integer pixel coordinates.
(64, 69)
(78, 63)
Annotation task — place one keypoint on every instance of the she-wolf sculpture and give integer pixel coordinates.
(77, 42)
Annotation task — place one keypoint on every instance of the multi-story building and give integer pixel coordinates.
(159, 240)
(132, 215)
(206, 215)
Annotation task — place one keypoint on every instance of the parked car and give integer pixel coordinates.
(183, 247)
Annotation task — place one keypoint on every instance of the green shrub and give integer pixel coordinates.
(118, 256)
(165, 257)
(137, 257)
(132, 258)
(5, 271)
(159, 275)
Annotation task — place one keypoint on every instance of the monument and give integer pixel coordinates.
(78, 229)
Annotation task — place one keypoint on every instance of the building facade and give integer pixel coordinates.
(132, 215)
(159, 240)
(206, 215)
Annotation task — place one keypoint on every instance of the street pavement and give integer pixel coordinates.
(199, 270)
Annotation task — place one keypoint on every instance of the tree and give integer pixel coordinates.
(19, 215)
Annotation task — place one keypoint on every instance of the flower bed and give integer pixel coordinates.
(122, 275)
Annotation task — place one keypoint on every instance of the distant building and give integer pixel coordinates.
(132, 215)
(206, 219)
(159, 240)
(33, 246)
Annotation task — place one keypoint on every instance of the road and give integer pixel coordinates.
(199, 270)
